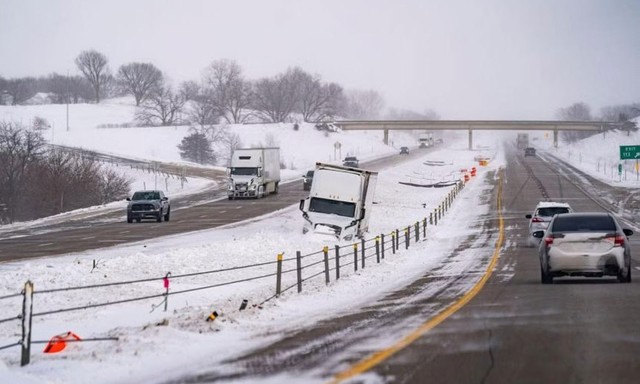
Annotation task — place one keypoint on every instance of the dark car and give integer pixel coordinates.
(351, 161)
(148, 204)
(404, 150)
(529, 151)
(307, 180)
(591, 244)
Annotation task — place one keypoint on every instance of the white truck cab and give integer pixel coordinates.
(253, 172)
(339, 202)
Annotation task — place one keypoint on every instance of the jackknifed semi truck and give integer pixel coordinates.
(253, 172)
(339, 202)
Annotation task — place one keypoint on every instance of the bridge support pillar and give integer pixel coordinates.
(555, 138)
(386, 137)
(470, 139)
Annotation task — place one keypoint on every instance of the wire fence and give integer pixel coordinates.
(340, 261)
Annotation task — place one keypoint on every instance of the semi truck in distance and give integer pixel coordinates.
(253, 172)
(425, 140)
(339, 202)
(522, 140)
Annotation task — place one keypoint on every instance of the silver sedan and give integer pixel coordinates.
(584, 244)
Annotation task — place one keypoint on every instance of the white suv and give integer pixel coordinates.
(542, 215)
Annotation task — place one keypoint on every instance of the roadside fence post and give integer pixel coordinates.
(424, 228)
(378, 249)
(279, 275)
(431, 218)
(165, 282)
(299, 269)
(435, 216)
(355, 257)
(417, 231)
(27, 315)
(382, 239)
(337, 262)
(439, 212)
(393, 242)
(406, 237)
(397, 239)
(362, 252)
(325, 250)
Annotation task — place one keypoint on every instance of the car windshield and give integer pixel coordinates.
(340, 208)
(550, 211)
(146, 196)
(584, 224)
(241, 171)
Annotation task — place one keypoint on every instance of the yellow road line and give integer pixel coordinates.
(378, 357)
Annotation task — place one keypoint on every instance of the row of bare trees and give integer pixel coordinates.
(581, 111)
(223, 94)
(36, 182)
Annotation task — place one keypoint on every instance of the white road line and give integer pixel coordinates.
(239, 206)
(638, 268)
(203, 216)
(44, 245)
(125, 232)
(222, 212)
(88, 238)
(111, 241)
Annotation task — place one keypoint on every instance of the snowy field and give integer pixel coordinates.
(154, 345)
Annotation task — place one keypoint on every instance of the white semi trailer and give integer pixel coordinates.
(339, 202)
(253, 172)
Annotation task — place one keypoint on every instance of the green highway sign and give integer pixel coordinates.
(628, 152)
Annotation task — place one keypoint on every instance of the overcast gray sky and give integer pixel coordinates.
(474, 59)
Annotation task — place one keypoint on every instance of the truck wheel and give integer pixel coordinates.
(168, 215)
(159, 218)
(275, 192)
(261, 192)
(138, 219)
(129, 219)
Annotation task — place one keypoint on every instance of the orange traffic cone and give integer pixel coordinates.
(59, 342)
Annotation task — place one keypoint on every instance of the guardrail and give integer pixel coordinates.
(289, 273)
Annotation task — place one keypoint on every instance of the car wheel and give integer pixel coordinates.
(129, 219)
(625, 277)
(168, 215)
(546, 277)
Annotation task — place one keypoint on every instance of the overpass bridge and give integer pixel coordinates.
(489, 125)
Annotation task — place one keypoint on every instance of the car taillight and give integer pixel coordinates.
(617, 240)
(548, 240)
(537, 220)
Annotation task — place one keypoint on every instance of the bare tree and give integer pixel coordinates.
(139, 79)
(93, 66)
(575, 112)
(276, 98)
(3, 89)
(161, 108)
(190, 90)
(229, 92)
(318, 101)
(622, 112)
(363, 104)
(21, 89)
(19, 149)
(230, 142)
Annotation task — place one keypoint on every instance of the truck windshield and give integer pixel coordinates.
(340, 208)
(244, 171)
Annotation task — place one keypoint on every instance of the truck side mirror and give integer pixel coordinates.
(302, 205)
